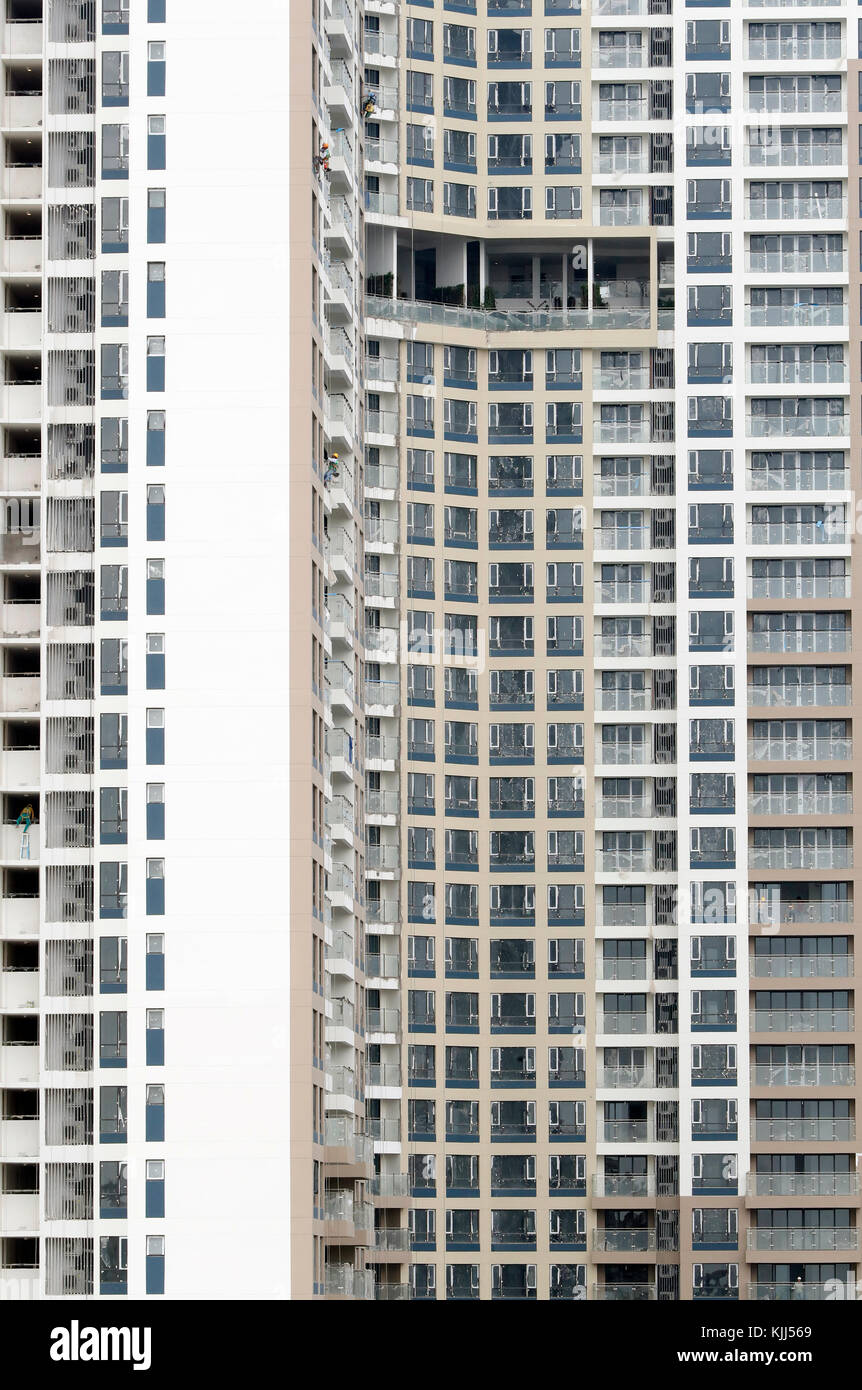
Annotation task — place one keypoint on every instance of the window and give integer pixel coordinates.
(562, 201)
(114, 445)
(115, 371)
(156, 213)
(115, 151)
(115, 224)
(115, 79)
(156, 128)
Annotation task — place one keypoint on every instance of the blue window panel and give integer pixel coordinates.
(155, 373)
(156, 215)
(155, 597)
(155, 521)
(155, 78)
(155, 1273)
(155, 747)
(155, 672)
(155, 970)
(156, 439)
(155, 1047)
(155, 908)
(156, 11)
(155, 820)
(156, 152)
(155, 299)
(154, 1127)
(154, 1201)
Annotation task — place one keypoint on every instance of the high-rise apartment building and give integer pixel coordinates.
(609, 385)
(145, 767)
(429, 441)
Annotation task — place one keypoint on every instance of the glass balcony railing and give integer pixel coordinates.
(789, 856)
(623, 1242)
(801, 967)
(795, 696)
(617, 1022)
(796, 315)
(794, 48)
(803, 1238)
(625, 1078)
(803, 1184)
(802, 208)
(802, 1020)
(505, 320)
(796, 640)
(623, 1293)
(799, 586)
(803, 1074)
(798, 479)
(816, 1130)
(623, 1185)
(772, 1291)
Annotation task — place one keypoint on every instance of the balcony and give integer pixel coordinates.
(800, 856)
(794, 696)
(810, 1292)
(389, 1185)
(556, 321)
(796, 315)
(381, 697)
(768, 479)
(616, 1023)
(391, 1240)
(796, 209)
(624, 861)
(382, 803)
(799, 586)
(623, 1185)
(828, 1238)
(794, 48)
(802, 1020)
(803, 1074)
(623, 967)
(780, 154)
(776, 260)
(765, 910)
(789, 1131)
(382, 859)
(797, 533)
(798, 640)
(624, 699)
(622, 538)
(620, 1242)
(623, 1293)
(382, 586)
(801, 967)
(803, 1184)
(384, 1021)
(626, 1078)
(622, 109)
(345, 1281)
